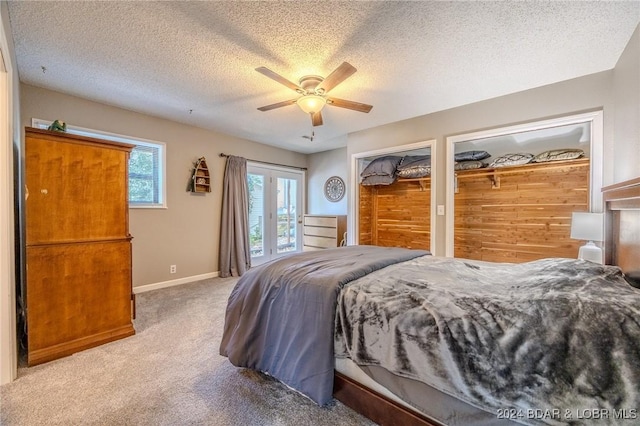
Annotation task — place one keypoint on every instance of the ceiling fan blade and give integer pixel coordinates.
(280, 79)
(316, 119)
(338, 75)
(278, 105)
(342, 103)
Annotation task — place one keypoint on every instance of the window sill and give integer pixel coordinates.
(148, 206)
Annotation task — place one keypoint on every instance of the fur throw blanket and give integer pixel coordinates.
(553, 334)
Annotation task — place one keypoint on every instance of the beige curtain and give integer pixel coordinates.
(235, 255)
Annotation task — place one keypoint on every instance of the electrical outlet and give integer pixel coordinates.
(172, 269)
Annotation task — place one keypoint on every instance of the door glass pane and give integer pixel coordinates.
(256, 214)
(286, 210)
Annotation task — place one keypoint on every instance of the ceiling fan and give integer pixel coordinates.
(314, 89)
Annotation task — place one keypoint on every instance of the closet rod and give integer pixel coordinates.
(222, 154)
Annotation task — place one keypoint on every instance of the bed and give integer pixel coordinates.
(451, 341)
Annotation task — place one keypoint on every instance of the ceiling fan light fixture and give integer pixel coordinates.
(314, 89)
(311, 104)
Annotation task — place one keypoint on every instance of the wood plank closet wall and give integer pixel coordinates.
(396, 215)
(520, 213)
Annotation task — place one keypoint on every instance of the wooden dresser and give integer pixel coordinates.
(323, 231)
(78, 246)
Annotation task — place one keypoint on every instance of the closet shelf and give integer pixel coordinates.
(424, 182)
(422, 179)
(496, 171)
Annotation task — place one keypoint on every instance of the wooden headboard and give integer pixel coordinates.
(622, 228)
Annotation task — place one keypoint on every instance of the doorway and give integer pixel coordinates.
(275, 211)
(8, 337)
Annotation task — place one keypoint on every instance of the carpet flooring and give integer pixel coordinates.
(168, 373)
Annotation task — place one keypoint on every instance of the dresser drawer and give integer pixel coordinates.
(320, 231)
(327, 221)
(323, 242)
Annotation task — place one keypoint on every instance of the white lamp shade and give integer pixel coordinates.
(311, 103)
(587, 226)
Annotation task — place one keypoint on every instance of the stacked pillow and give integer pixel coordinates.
(558, 154)
(415, 166)
(512, 160)
(381, 171)
(385, 170)
(468, 160)
(525, 158)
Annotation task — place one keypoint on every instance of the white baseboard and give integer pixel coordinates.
(171, 283)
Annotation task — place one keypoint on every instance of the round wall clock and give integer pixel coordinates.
(334, 189)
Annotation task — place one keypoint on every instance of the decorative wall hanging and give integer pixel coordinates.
(334, 189)
(200, 180)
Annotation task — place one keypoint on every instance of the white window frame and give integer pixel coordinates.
(161, 146)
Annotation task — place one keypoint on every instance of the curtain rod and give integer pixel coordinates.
(222, 154)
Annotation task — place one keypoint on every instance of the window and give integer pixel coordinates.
(144, 172)
(146, 165)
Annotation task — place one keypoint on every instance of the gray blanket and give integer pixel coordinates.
(280, 316)
(552, 340)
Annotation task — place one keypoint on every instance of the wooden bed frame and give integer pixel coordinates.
(622, 228)
(622, 248)
(375, 406)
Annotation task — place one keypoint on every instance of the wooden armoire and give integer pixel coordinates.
(78, 247)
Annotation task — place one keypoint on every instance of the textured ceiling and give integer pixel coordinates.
(194, 62)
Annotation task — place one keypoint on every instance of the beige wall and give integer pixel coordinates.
(582, 94)
(185, 234)
(626, 89)
(325, 165)
(619, 87)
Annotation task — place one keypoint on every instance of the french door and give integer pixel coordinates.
(275, 212)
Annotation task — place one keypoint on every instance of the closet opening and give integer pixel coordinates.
(392, 197)
(511, 191)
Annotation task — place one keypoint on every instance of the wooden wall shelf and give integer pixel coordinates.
(493, 174)
(424, 182)
(497, 171)
(200, 179)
